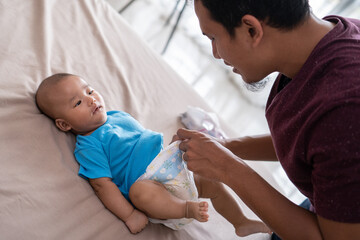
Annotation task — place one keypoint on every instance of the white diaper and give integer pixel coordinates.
(169, 169)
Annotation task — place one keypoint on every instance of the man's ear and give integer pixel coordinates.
(254, 29)
(62, 125)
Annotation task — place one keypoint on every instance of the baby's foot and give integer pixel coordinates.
(248, 227)
(197, 210)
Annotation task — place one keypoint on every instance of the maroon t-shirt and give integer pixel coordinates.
(314, 120)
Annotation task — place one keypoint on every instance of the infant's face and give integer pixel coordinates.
(79, 105)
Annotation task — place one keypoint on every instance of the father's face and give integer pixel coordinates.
(237, 51)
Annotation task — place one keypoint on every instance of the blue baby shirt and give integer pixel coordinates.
(121, 149)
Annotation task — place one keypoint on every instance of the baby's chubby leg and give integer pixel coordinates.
(155, 201)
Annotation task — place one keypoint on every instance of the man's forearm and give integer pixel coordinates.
(252, 148)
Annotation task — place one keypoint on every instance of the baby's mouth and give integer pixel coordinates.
(97, 108)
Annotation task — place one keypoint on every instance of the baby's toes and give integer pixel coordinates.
(204, 206)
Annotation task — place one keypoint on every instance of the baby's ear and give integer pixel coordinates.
(62, 125)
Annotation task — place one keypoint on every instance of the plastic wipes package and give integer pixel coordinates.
(198, 119)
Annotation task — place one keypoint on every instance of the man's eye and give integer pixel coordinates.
(78, 103)
(91, 92)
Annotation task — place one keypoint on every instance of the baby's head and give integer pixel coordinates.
(71, 103)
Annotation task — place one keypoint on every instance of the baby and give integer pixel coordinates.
(114, 152)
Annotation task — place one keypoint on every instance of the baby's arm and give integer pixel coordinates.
(113, 200)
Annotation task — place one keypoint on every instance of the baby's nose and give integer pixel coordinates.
(91, 100)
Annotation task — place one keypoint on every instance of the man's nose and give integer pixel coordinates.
(214, 51)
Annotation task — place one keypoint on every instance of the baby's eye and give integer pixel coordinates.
(91, 92)
(78, 103)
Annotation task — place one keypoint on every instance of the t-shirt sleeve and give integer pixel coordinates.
(334, 149)
(93, 162)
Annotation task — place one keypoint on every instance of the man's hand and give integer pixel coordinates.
(205, 155)
(137, 221)
(174, 138)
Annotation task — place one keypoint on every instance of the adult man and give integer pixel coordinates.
(313, 113)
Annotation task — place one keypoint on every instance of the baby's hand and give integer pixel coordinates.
(136, 221)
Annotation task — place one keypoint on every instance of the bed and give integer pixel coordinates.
(41, 195)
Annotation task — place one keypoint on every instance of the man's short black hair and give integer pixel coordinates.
(281, 14)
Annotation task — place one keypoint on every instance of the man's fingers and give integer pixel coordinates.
(185, 133)
(184, 156)
(174, 138)
(190, 155)
(183, 145)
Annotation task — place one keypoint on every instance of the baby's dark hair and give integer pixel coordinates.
(40, 93)
(281, 14)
